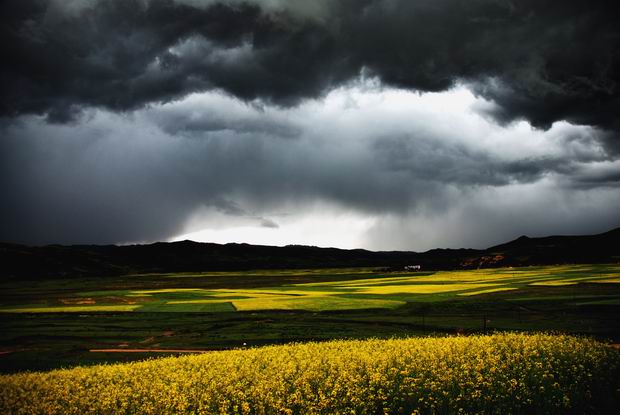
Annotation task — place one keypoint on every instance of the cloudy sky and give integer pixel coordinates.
(381, 124)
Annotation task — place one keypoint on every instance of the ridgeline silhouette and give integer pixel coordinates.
(56, 261)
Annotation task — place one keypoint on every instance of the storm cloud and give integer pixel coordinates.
(383, 124)
(383, 155)
(539, 60)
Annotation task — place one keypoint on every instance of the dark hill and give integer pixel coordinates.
(604, 247)
(99, 260)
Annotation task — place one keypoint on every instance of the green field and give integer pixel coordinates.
(355, 289)
(48, 324)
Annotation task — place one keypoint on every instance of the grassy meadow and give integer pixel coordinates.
(358, 340)
(329, 290)
(502, 373)
(62, 323)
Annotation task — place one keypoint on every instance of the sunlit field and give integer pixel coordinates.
(49, 324)
(504, 373)
(352, 289)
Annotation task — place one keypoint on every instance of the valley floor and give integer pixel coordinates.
(63, 323)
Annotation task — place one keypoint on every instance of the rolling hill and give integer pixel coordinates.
(99, 260)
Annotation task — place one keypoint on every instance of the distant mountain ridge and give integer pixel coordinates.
(53, 261)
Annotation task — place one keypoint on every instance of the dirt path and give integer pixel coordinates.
(122, 350)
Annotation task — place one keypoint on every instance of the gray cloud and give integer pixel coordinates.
(492, 216)
(428, 158)
(544, 61)
(121, 178)
(268, 223)
(185, 118)
(122, 121)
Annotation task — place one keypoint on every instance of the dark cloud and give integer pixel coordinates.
(431, 159)
(228, 207)
(118, 178)
(185, 119)
(79, 185)
(605, 175)
(541, 60)
(231, 208)
(268, 223)
(124, 120)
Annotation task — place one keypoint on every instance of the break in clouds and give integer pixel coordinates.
(380, 124)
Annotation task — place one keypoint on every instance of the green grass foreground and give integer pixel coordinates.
(501, 373)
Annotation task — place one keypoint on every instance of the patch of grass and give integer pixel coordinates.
(487, 291)
(613, 301)
(167, 291)
(315, 303)
(609, 280)
(554, 283)
(558, 297)
(189, 307)
(271, 273)
(420, 289)
(72, 309)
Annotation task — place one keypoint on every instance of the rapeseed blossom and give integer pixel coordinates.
(501, 373)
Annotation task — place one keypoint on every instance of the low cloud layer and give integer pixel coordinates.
(539, 60)
(402, 170)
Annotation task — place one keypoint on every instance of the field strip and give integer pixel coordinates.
(167, 290)
(490, 290)
(572, 280)
(205, 301)
(554, 283)
(422, 288)
(73, 309)
(121, 350)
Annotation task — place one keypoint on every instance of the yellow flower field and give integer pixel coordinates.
(502, 373)
(363, 288)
